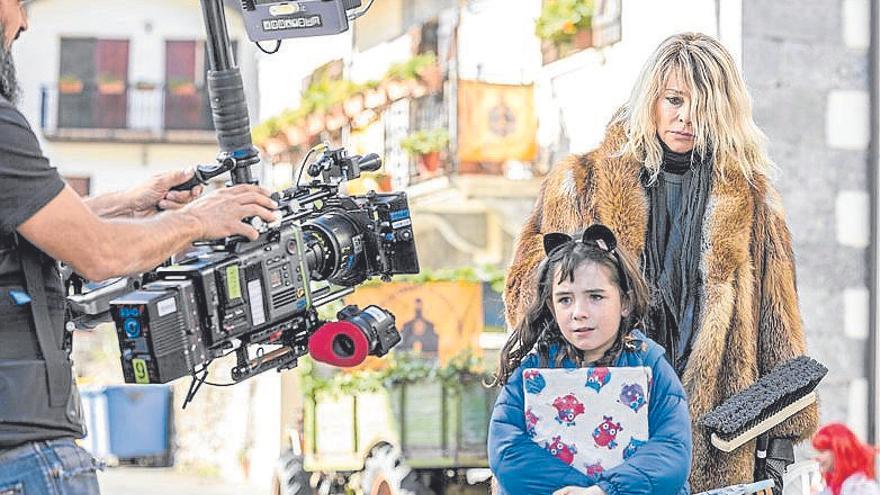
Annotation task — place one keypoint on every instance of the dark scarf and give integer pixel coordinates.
(676, 303)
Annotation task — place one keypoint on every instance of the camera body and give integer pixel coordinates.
(266, 292)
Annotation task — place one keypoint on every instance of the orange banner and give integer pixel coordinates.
(435, 319)
(497, 122)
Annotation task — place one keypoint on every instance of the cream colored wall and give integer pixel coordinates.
(147, 25)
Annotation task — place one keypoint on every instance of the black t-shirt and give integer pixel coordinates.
(27, 184)
(27, 181)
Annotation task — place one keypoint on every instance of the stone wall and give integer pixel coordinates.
(806, 65)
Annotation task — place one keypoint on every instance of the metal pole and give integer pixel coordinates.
(873, 367)
(228, 103)
(219, 48)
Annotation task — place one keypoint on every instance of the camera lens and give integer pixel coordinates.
(335, 249)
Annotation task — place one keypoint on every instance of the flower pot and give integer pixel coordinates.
(364, 119)
(295, 135)
(432, 77)
(582, 39)
(375, 98)
(353, 105)
(276, 145)
(384, 182)
(111, 88)
(397, 90)
(337, 119)
(315, 124)
(429, 162)
(184, 90)
(70, 87)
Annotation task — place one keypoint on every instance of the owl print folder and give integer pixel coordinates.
(590, 418)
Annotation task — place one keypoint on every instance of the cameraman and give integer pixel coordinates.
(43, 220)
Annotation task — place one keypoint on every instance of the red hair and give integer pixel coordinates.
(850, 455)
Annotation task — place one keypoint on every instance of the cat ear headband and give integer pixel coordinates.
(595, 235)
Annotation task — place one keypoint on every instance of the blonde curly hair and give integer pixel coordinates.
(721, 109)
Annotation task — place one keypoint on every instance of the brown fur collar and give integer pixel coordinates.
(617, 199)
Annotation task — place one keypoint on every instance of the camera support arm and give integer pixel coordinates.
(229, 110)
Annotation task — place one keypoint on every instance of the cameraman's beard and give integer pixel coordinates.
(9, 88)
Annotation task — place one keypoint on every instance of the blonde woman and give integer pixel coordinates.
(681, 179)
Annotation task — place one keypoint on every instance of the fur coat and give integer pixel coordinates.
(750, 319)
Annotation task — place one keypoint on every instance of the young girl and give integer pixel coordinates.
(846, 463)
(590, 298)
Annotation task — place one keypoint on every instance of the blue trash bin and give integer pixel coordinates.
(97, 440)
(140, 423)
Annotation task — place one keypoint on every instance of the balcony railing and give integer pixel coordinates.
(126, 112)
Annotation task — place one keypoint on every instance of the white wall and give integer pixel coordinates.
(588, 87)
(497, 44)
(282, 73)
(147, 25)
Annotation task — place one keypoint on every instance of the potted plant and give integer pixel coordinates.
(561, 21)
(145, 86)
(426, 146)
(181, 87)
(69, 84)
(109, 84)
(419, 71)
(383, 181)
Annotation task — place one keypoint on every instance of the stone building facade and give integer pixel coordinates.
(807, 67)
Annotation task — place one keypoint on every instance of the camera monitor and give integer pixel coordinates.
(267, 20)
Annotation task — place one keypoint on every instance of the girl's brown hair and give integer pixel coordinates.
(538, 329)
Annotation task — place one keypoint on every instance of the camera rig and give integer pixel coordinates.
(238, 296)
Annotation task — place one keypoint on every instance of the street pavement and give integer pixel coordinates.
(167, 481)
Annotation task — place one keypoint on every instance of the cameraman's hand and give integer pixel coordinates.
(220, 213)
(156, 194)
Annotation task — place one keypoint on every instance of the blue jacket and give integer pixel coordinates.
(661, 466)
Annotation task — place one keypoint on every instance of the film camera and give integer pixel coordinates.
(241, 293)
(235, 294)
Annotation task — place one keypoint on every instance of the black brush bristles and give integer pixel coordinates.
(787, 383)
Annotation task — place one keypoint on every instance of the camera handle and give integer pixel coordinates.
(229, 110)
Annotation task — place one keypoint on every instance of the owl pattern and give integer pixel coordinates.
(632, 396)
(598, 378)
(599, 415)
(567, 409)
(534, 381)
(562, 451)
(632, 447)
(605, 435)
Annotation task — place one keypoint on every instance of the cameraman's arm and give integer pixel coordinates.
(98, 248)
(147, 198)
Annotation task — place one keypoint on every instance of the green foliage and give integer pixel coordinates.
(483, 273)
(69, 78)
(402, 367)
(425, 141)
(176, 83)
(410, 69)
(109, 78)
(561, 19)
(266, 130)
(324, 93)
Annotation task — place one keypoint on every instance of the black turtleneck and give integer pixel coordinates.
(676, 163)
(677, 201)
